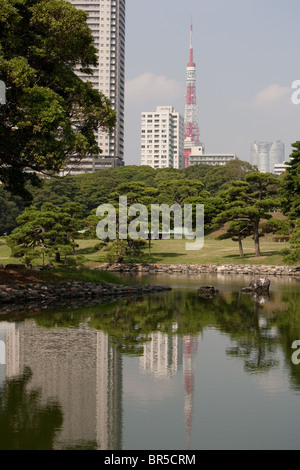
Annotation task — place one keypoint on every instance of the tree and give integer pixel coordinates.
(51, 115)
(27, 421)
(11, 207)
(177, 191)
(290, 184)
(247, 203)
(136, 193)
(237, 231)
(216, 178)
(293, 255)
(50, 230)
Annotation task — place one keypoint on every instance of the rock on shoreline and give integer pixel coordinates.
(251, 269)
(17, 294)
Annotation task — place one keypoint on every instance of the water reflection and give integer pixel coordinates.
(79, 370)
(63, 371)
(26, 422)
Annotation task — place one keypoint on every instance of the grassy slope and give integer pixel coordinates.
(173, 251)
(213, 252)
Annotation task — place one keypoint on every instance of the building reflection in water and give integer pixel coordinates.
(163, 355)
(76, 367)
(81, 370)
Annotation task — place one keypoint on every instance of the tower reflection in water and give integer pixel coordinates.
(80, 370)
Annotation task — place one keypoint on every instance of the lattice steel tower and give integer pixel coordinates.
(191, 122)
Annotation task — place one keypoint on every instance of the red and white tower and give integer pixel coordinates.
(190, 349)
(191, 124)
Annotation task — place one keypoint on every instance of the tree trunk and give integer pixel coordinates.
(57, 257)
(256, 239)
(240, 246)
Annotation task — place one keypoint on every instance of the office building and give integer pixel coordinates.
(198, 156)
(106, 19)
(279, 168)
(162, 138)
(265, 155)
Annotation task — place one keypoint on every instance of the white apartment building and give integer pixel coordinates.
(162, 138)
(198, 156)
(106, 18)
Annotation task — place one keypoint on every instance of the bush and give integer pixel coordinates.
(122, 251)
(116, 251)
(285, 251)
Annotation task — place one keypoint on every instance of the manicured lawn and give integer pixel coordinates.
(213, 252)
(174, 251)
(5, 253)
(217, 252)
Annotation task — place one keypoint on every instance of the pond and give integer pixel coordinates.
(163, 371)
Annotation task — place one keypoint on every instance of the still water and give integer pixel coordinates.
(164, 371)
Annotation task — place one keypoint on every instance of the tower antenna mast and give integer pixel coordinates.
(191, 121)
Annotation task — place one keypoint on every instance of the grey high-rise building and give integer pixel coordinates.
(106, 18)
(265, 155)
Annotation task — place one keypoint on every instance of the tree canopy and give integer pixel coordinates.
(49, 231)
(246, 204)
(290, 185)
(50, 115)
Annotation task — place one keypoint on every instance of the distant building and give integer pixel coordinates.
(279, 168)
(107, 23)
(198, 156)
(265, 155)
(162, 138)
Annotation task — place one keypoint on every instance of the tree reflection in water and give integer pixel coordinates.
(25, 423)
(255, 345)
(257, 333)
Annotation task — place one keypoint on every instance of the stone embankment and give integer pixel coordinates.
(256, 270)
(58, 293)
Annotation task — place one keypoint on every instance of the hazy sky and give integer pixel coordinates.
(246, 54)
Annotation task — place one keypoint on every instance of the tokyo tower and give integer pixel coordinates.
(191, 124)
(190, 349)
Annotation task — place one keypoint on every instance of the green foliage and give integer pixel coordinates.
(51, 115)
(293, 256)
(124, 251)
(246, 204)
(89, 275)
(130, 323)
(218, 178)
(290, 184)
(144, 185)
(279, 227)
(177, 191)
(40, 420)
(237, 231)
(10, 208)
(50, 230)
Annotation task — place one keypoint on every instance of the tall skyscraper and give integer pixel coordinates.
(106, 18)
(162, 138)
(265, 155)
(191, 124)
